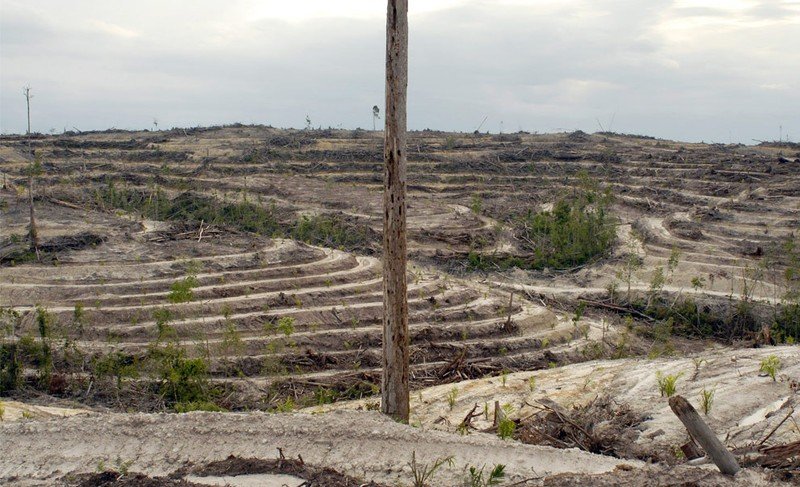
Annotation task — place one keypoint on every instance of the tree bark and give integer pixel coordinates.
(395, 397)
(700, 431)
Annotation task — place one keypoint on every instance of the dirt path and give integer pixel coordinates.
(363, 444)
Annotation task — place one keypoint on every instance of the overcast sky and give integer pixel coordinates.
(713, 70)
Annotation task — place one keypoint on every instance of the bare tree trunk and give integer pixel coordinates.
(27, 92)
(395, 313)
(33, 233)
(700, 431)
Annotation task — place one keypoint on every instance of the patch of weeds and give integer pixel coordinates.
(324, 395)
(423, 473)
(287, 406)
(10, 367)
(477, 478)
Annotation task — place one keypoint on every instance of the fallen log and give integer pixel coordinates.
(699, 430)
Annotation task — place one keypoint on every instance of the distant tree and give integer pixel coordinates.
(27, 92)
(376, 115)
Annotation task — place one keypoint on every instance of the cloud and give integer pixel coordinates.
(689, 69)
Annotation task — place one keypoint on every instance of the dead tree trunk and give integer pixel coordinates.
(700, 431)
(33, 233)
(395, 305)
(27, 92)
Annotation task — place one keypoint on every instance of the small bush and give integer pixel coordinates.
(181, 291)
(577, 230)
(286, 325)
(10, 367)
(770, 366)
(183, 379)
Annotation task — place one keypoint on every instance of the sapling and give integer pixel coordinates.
(424, 472)
(666, 383)
(451, 397)
(770, 366)
(706, 400)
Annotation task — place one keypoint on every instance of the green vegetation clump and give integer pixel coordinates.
(330, 230)
(666, 383)
(183, 379)
(181, 291)
(10, 368)
(477, 477)
(579, 229)
(771, 365)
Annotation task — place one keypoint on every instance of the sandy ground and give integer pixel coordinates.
(363, 444)
(747, 404)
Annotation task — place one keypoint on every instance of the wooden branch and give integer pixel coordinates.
(776, 427)
(700, 431)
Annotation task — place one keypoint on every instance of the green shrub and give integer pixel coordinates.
(577, 230)
(10, 367)
(117, 365)
(181, 291)
(770, 365)
(286, 325)
(182, 379)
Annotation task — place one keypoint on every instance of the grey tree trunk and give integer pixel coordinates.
(395, 305)
(27, 92)
(700, 431)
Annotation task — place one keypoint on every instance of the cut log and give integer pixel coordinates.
(700, 431)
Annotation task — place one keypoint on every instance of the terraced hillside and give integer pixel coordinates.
(190, 240)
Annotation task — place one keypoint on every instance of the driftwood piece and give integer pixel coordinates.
(715, 450)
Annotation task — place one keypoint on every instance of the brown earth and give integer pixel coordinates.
(723, 207)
